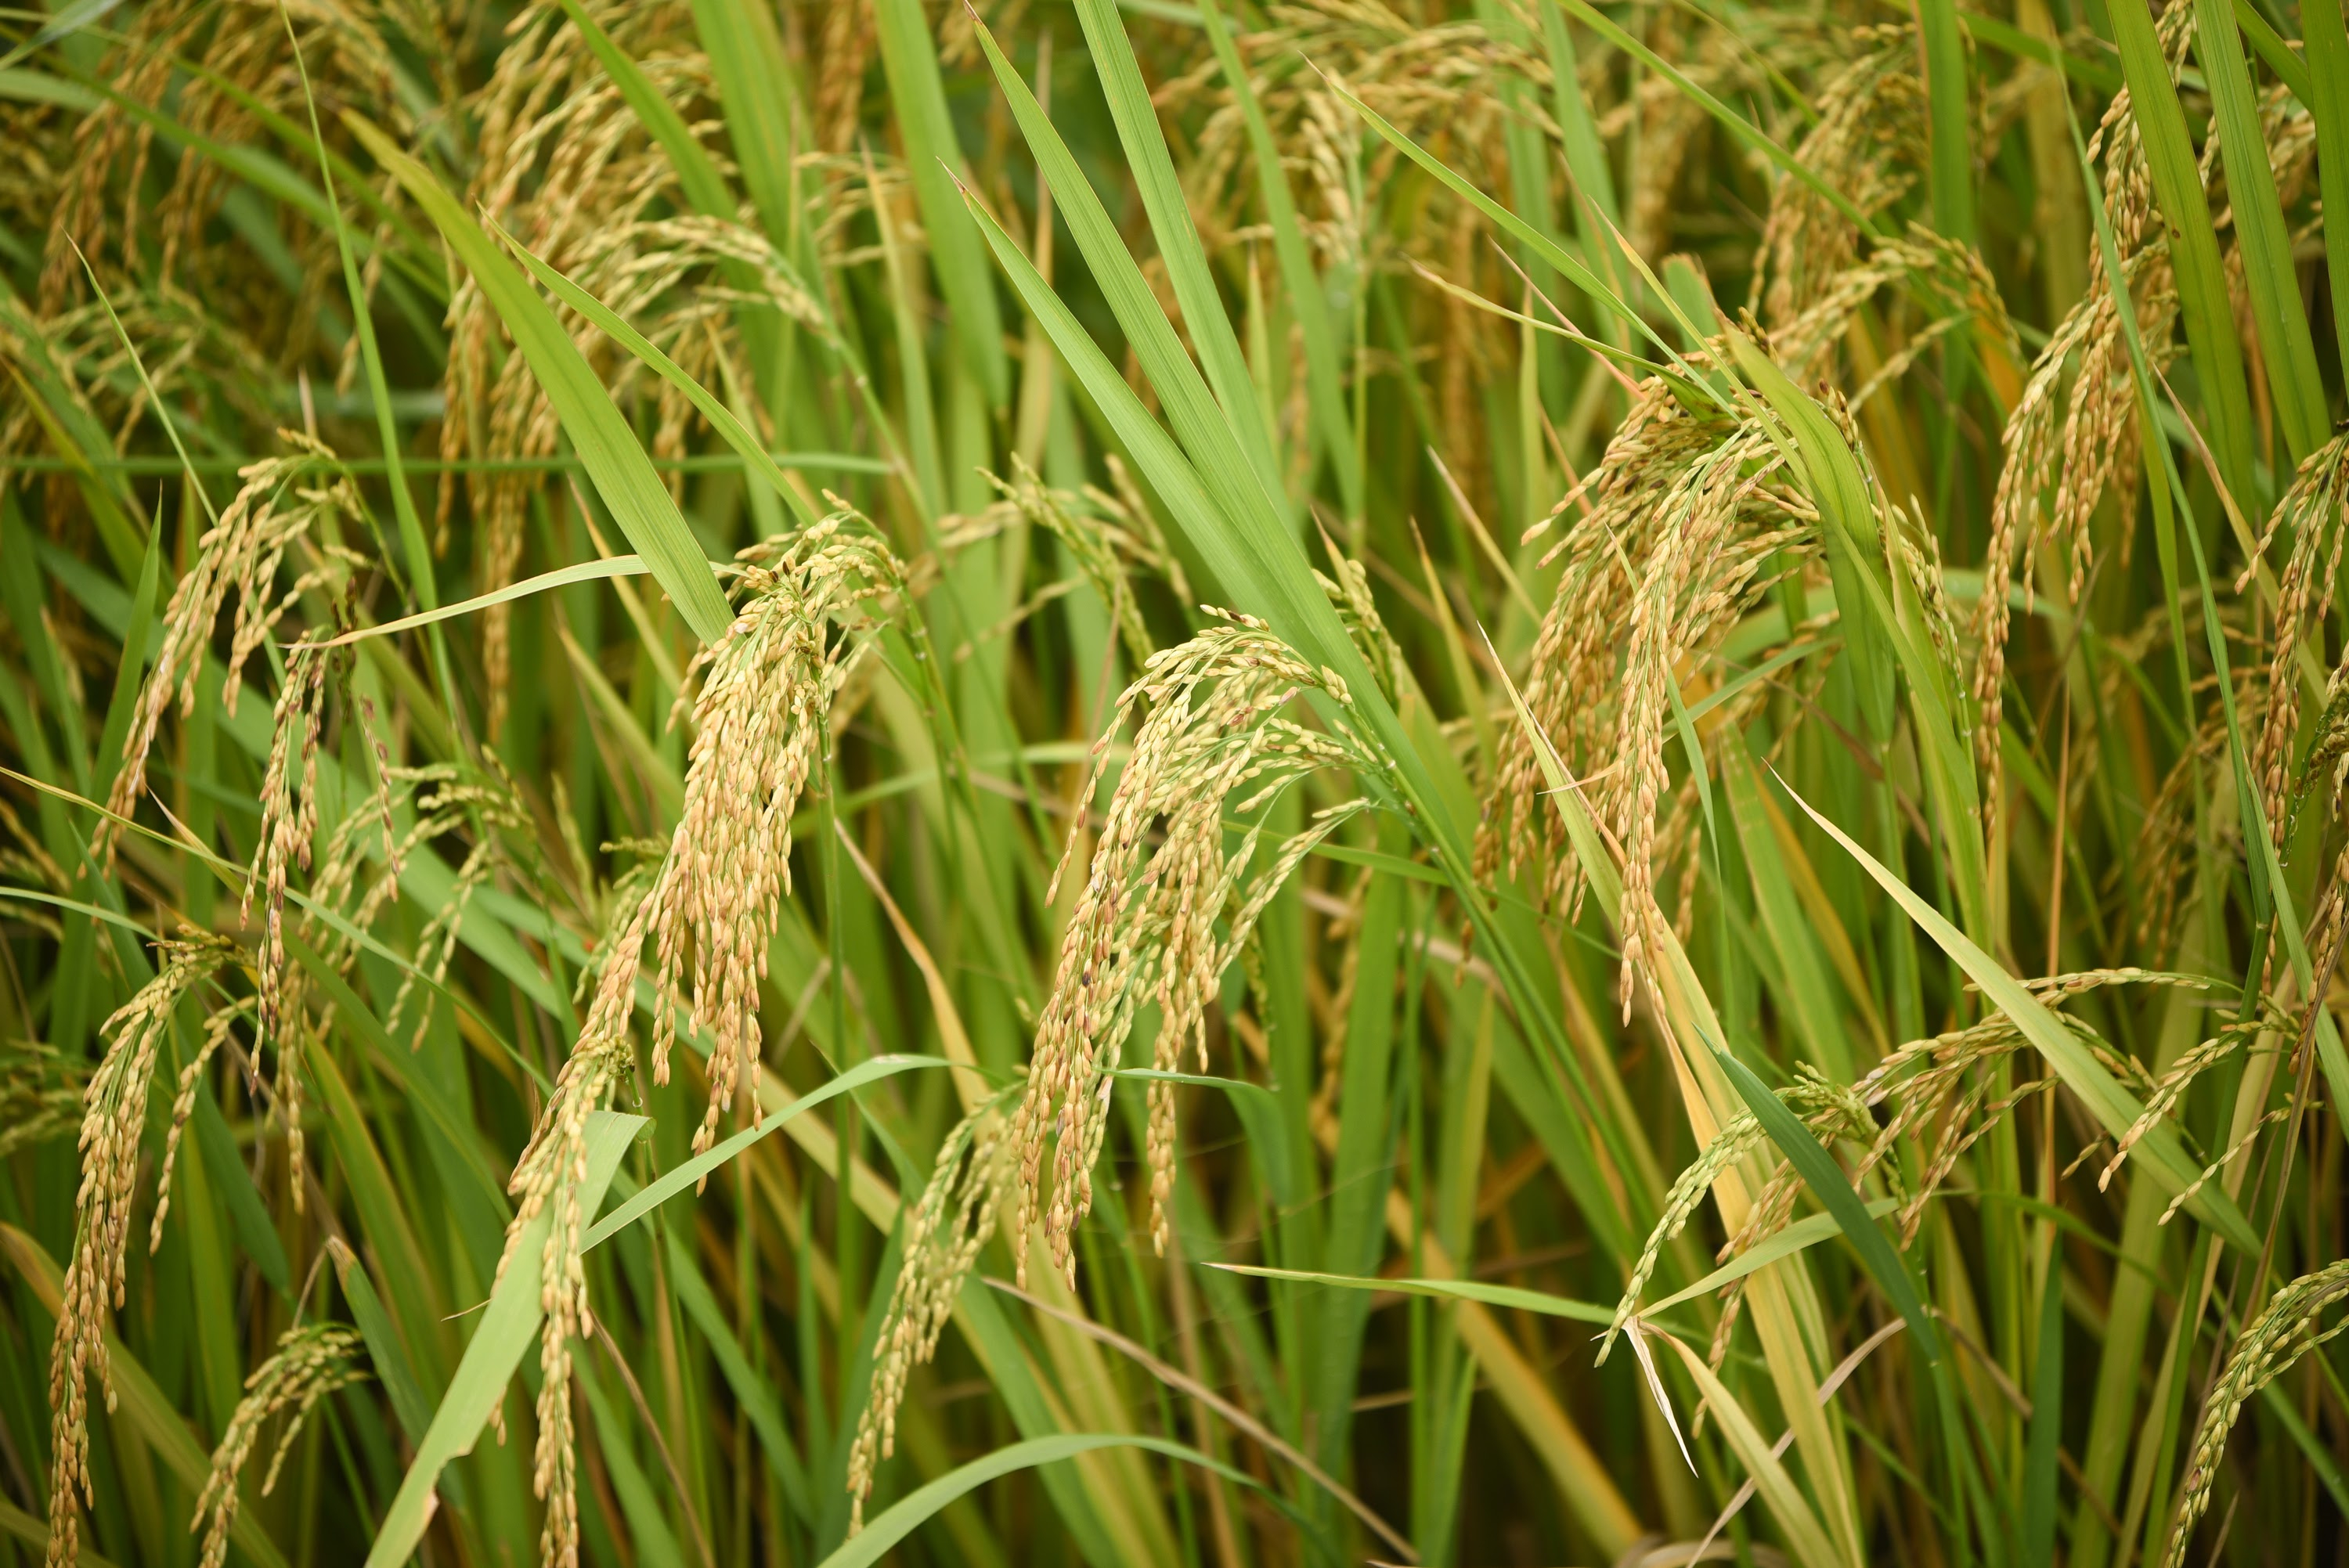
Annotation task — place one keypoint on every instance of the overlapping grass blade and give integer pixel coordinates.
(2271, 276)
(934, 162)
(640, 503)
(508, 1325)
(1307, 299)
(2194, 245)
(2113, 1106)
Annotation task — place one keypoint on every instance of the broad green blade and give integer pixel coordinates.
(2008, 38)
(705, 187)
(694, 1171)
(1585, 154)
(2327, 39)
(392, 1370)
(1307, 299)
(64, 23)
(1948, 94)
(1832, 1189)
(755, 91)
(1809, 996)
(1848, 517)
(1218, 456)
(1803, 1234)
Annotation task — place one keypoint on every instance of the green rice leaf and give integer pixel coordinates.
(1585, 154)
(902, 1518)
(698, 1169)
(1307, 301)
(1832, 1189)
(1482, 1291)
(388, 1356)
(1804, 1233)
(696, 172)
(1177, 234)
(2327, 39)
(756, 1394)
(2296, 74)
(755, 91)
(1949, 100)
(1890, 617)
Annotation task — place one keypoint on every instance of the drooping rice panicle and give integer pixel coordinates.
(311, 1361)
(1145, 923)
(114, 1120)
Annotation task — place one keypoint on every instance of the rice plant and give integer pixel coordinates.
(1524, 781)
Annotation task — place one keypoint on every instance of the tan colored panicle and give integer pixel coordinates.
(1868, 143)
(2283, 1332)
(114, 1115)
(310, 1362)
(546, 1180)
(566, 166)
(277, 506)
(2317, 507)
(1108, 537)
(183, 1106)
(709, 909)
(760, 720)
(1692, 514)
(1739, 1138)
(945, 1233)
(448, 799)
(1159, 879)
(289, 824)
(1690, 517)
(221, 74)
(2055, 471)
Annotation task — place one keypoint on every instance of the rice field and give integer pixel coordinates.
(1163, 783)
